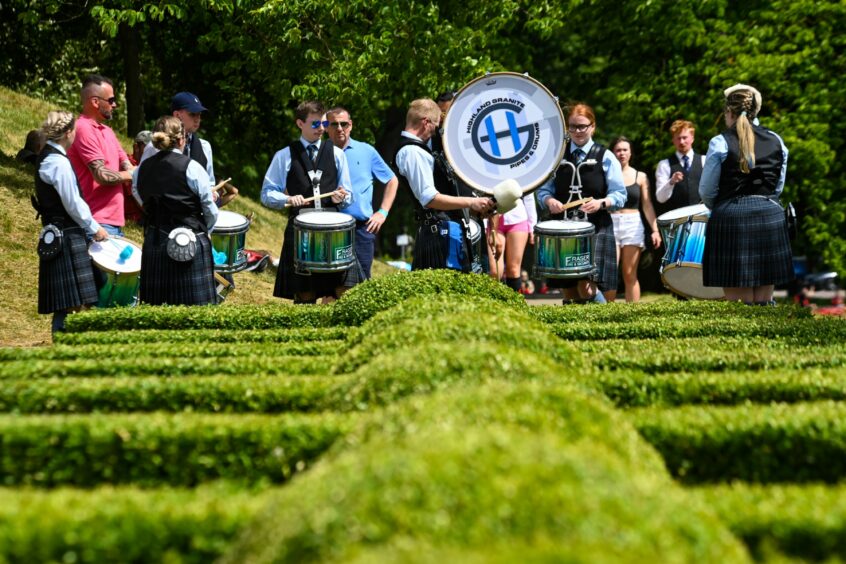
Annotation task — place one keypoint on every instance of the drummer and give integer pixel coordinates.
(65, 280)
(440, 211)
(175, 193)
(747, 248)
(602, 183)
(287, 183)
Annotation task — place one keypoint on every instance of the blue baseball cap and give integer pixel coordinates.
(186, 101)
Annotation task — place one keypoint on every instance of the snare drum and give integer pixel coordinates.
(122, 270)
(228, 242)
(564, 249)
(323, 242)
(683, 232)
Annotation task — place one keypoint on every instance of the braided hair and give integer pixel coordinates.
(742, 105)
(57, 124)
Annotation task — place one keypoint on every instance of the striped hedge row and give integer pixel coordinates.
(806, 522)
(639, 389)
(239, 318)
(163, 349)
(709, 354)
(302, 334)
(215, 394)
(806, 331)
(123, 524)
(167, 366)
(155, 449)
(684, 311)
(799, 442)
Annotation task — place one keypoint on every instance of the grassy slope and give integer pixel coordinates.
(20, 323)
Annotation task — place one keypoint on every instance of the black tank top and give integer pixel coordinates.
(633, 198)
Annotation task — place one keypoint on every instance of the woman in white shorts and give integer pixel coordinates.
(628, 227)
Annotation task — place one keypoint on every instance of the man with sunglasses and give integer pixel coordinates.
(365, 163)
(288, 182)
(99, 161)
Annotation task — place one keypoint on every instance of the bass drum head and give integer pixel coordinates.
(504, 126)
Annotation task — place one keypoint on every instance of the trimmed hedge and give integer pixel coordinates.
(160, 449)
(638, 389)
(163, 349)
(442, 319)
(473, 469)
(805, 522)
(693, 311)
(709, 354)
(304, 334)
(378, 294)
(123, 524)
(801, 331)
(241, 317)
(800, 442)
(217, 394)
(167, 366)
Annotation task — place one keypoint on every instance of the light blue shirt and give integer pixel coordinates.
(709, 183)
(150, 150)
(365, 163)
(198, 183)
(274, 190)
(613, 178)
(417, 166)
(57, 171)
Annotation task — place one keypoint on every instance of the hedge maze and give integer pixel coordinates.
(427, 417)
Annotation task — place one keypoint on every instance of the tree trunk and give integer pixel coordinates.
(132, 72)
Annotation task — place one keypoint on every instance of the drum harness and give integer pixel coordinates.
(431, 219)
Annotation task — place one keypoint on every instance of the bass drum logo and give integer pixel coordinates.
(507, 145)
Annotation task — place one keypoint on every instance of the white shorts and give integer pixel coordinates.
(628, 229)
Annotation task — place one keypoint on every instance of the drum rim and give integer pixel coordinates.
(588, 229)
(108, 269)
(244, 225)
(700, 217)
(489, 190)
(299, 221)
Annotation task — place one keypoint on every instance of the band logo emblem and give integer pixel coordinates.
(510, 145)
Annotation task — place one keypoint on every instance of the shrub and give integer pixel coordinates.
(302, 334)
(378, 294)
(685, 311)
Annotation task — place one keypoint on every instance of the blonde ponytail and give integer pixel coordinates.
(167, 133)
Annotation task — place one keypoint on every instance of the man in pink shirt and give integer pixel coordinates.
(100, 163)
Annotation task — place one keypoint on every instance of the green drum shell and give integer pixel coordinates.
(564, 253)
(231, 241)
(323, 248)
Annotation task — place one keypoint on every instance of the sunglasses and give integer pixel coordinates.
(341, 124)
(112, 101)
(317, 124)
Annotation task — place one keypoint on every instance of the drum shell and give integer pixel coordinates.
(684, 239)
(323, 248)
(563, 251)
(231, 240)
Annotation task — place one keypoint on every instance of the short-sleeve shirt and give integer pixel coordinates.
(97, 142)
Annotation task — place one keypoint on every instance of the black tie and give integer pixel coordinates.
(686, 163)
(312, 151)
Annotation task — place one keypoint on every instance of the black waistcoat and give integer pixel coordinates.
(593, 181)
(168, 200)
(686, 192)
(298, 183)
(195, 151)
(442, 178)
(49, 204)
(761, 180)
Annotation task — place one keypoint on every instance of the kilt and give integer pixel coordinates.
(604, 256)
(166, 281)
(67, 280)
(289, 282)
(746, 244)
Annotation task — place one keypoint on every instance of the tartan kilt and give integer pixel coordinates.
(289, 282)
(604, 256)
(67, 280)
(746, 244)
(166, 281)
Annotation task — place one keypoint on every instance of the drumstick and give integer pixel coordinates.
(220, 184)
(311, 198)
(576, 203)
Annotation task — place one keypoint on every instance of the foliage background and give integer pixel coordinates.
(640, 64)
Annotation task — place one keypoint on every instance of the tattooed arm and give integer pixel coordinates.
(107, 176)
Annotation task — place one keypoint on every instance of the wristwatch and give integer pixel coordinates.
(604, 204)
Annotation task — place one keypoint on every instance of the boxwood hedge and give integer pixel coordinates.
(301, 334)
(685, 311)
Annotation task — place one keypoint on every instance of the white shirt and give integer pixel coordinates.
(525, 210)
(57, 171)
(417, 166)
(663, 188)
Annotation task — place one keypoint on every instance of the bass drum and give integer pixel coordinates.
(504, 126)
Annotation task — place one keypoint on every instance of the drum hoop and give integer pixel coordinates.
(304, 225)
(489, 189)
(108, 269)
